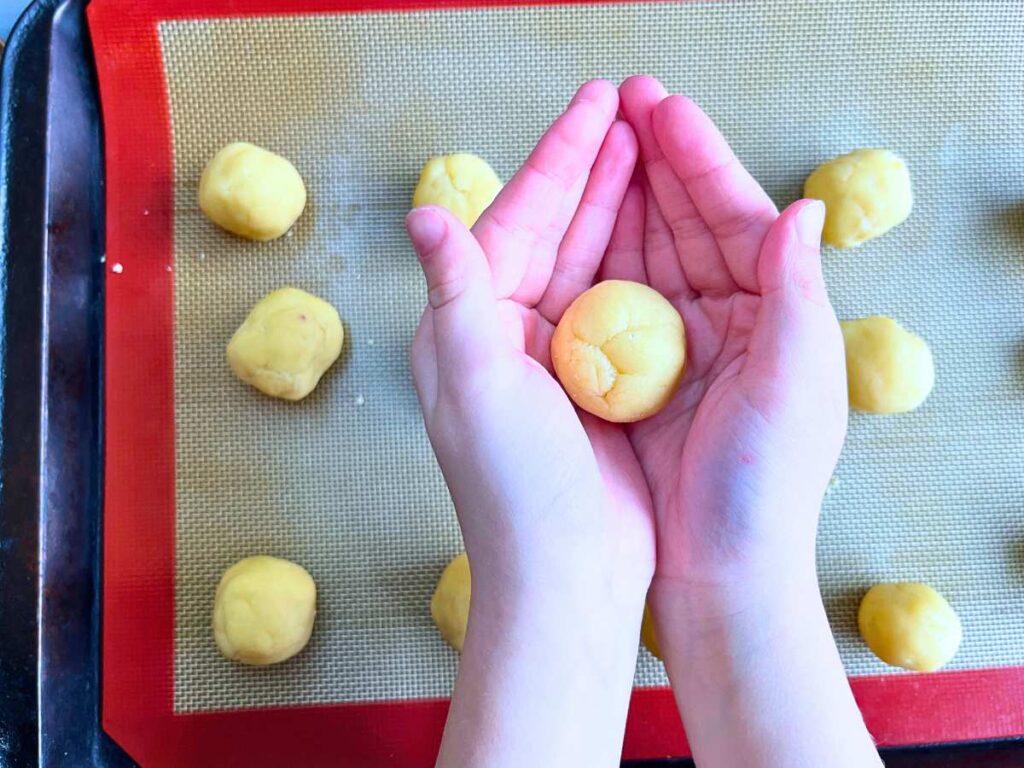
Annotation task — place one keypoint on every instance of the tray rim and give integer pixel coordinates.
(51, 208)
(50, 668)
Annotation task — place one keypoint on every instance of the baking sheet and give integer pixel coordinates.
(345, 482)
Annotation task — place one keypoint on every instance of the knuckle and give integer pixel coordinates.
(446, 290)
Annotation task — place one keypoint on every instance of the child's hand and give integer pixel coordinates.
(531, 490)
(555, 512)
(739, 461)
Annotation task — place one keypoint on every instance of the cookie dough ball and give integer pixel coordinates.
(888, 368)
(286, 343)
(909, 625)
(619, 351)
(866, 193)
(464, 184)
(449, 606)
(264, 610)
(251, 192)
(648, 635)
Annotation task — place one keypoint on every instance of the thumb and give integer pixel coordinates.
(796, 328)
(459, 293)
(790, 257)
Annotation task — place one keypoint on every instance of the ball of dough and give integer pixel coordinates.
(464, 184)
(648, 634)
(251, 192)
(286, 343)
(619, 351)
(888, 368)
(909, 625)
(264, 610)
(866, 193)
(449, 606)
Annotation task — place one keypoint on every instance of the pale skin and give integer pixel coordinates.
(711, 505)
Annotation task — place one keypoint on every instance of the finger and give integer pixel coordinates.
(795, 324)
(790, 258)
(732, 204)
(661, 256)
(423, 361)
(701, 264)
(625, 257)
(588, 235)
(466, 327)
(544, 255)
(524, 220)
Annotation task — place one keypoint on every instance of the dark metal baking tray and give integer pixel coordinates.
(51, 409)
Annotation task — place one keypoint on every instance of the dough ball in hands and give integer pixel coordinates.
(287, 342)
(866, 193)
(264, 610)
(619, 350)
(909, 625)
(888, 368)
(464, 184)
(251, 192)
(449, 607)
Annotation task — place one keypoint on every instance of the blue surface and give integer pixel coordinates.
(10, 10)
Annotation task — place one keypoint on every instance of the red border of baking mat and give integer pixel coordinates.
(138, 566)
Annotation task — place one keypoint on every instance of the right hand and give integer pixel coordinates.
(739, 460)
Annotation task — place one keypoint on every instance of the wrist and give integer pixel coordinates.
(557, 596)
(570, 605)
(564, 558)
(747, 659)
(732, 615)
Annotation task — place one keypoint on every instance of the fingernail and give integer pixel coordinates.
(426, 230)
(590, 91)
(809, 221)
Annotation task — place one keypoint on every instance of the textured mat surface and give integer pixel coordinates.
(345, 482)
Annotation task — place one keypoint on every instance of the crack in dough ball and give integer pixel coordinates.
(449, 606)
(619, 351)
(866, 193)
(287, 342)
(464, 184)
(251, 192)
(909, 625)
(649, 635)
(888, 368)
(264, 609)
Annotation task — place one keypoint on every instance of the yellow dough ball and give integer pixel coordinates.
(888, 368)
(286, 343)
(449, 607)
(909, 625)
(251, 192)
(619, 351)
(464, 184)
(648, 634)
(866, 193)
(264, 610)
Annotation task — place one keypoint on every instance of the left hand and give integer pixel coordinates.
(553, 506)
(538, 489)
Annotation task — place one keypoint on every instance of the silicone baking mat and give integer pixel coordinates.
(202, 470)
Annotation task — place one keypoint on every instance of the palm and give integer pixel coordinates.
(684, 447)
